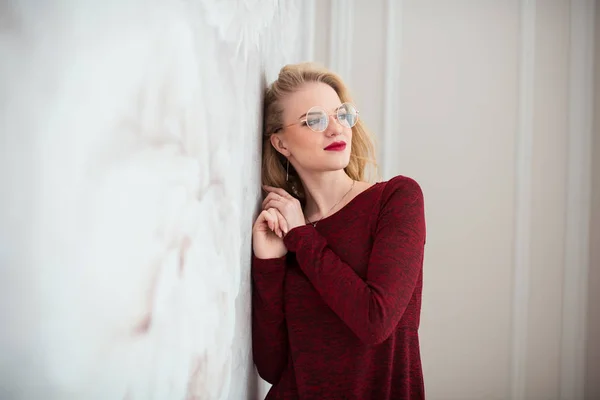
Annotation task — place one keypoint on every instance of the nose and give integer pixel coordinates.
(334, 128)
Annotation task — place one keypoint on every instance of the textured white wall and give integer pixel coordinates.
(129, 165)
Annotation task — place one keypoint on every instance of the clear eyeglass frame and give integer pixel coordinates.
(317, 119)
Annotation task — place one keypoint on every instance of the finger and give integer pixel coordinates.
(274, 203)
(270, 196)
(269, 219)
(275, 228)
(279, 191)
(282, 223)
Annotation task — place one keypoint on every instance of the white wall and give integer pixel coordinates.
(593, 332)
(488, 105)
(129, 165)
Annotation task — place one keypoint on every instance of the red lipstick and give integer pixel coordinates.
(336, 146)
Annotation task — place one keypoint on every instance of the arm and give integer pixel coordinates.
(373, 307)
(269, 332)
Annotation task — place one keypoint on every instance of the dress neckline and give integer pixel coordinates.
(347, 205)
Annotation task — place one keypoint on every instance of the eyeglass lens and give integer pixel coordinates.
(318, 120)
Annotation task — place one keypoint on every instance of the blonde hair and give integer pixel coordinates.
(274, 164)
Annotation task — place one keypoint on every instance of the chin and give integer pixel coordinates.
(336, 166)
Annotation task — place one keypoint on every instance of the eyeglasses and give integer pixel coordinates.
(317, 118)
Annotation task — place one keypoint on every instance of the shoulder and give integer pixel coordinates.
(401, 207)
(401, 190)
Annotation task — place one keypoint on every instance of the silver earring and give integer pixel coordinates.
(287, 170)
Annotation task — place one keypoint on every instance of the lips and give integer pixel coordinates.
(336, 146)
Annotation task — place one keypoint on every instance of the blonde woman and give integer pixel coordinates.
(337, 265)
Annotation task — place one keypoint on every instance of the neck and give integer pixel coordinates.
(323, 191)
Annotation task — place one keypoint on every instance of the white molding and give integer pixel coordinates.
(579, 168)
(523, 202)
(341, 27)
(308, 42)
(393, 63)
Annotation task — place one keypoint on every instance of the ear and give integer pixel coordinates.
(279, 144)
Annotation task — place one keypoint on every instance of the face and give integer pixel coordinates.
(307, 150)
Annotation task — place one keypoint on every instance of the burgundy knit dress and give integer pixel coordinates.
(338, 316)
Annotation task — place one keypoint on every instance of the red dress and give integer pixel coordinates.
(338, 316)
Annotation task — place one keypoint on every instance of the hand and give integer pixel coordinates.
(267, 234)
(287, 205)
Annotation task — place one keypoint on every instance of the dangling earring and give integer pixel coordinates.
(287, 170)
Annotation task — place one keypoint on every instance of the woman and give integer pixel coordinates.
(337, 266)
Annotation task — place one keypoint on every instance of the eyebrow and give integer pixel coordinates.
(304, 115)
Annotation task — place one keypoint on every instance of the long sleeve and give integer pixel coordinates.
(269, 333)
(371, 308)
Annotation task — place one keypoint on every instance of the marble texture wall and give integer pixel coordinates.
(129, 167)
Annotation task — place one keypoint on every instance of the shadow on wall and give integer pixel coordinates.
(130, 148)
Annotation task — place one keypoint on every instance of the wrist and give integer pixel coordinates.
(269, 256)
